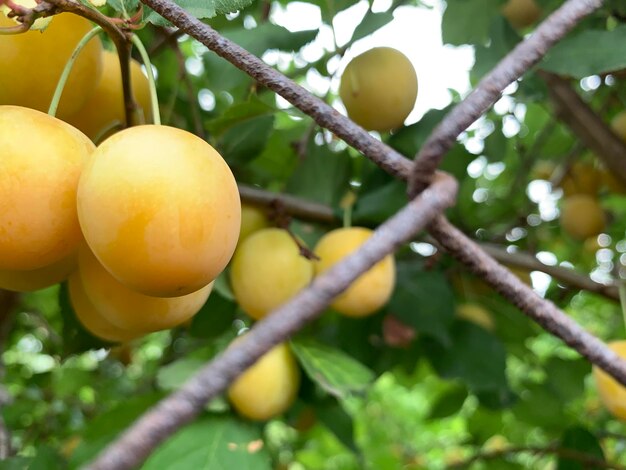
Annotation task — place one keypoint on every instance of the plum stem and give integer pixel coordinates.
(154, 101)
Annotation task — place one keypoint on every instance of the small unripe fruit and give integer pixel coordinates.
(582, 216)
(269, 387)
(371, 290)
(32, 64)
(521, 13)
(105, 106)
(160, 209)
(91, 318)
(475, 314)
(612, 393)
(267, 270)
(40, 278)
(379, 88)
(42, 159)
(131, 310)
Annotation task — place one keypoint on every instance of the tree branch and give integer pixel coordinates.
(522, 296)
(514, 65)
(321, 112)
(587, 125)
(182, 406)
(119, 38)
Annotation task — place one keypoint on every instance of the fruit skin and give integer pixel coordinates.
(106, 104)
(582, 178)
(267, 270)
(32, 63)
(521, 13)
(40, 278)
(130, 310)
(618, 124)
(91, 318)
(269, 387)
(582, 216)
(160, 209)
(42, 158)
(379, 88)
(253, 219)
(371, 290)
(476, 314)
(612, 393)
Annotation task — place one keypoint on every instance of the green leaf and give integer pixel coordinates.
(370, 24)
(102, 429)
(540, 406)
(332, 369)
(376, 206)
(410, 139)
(237, 114)
(587, 53)
(503, 40)
(244, 141)
(467, 21)
(473, 355)
(15, 463)
(449, 402)
(322, 176)
(423, 300)
(214, 318)
(567, 377)
(202, 9)
(332, 415)
(580, 441)
(212, 443)
(173, 375)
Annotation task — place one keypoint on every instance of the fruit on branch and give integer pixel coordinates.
(42, 158)
(89, 316)
(379, 88)
(521, 13)
(267, 270)
(160, 209)
(253, 219)
(35, 279)
(371, 290)
(612, 393)
(269, 387)
(476, 314)
(582, 216)
(618, 124)
(582, 178)
(32, 63)
(105, 106)
(131, 310)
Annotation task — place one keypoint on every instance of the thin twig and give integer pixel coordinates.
(182, 406)
(587, 125)
(514, 65)
(589, 461)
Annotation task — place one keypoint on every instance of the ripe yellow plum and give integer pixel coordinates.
(269, 387)
(42, 158)
(582, 178)
(131, 310)
(267, 270)
(253, 219)
(160, 209)
(91, 318)
(618, 124)
(379, 88)
(521, 13)
(32, 63)
(612, 393)
(105, 106)
(40, 278)
(582, 216)
(475, 314)
(371, 290)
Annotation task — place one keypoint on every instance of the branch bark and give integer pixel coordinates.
(587, 125)
(522, 296)
(514, 65)
(181, 407)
